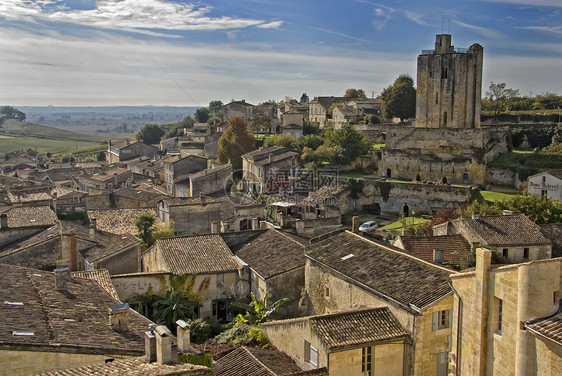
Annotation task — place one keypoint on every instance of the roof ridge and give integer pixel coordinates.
(288, 237)
(259, 361)
(403, 253)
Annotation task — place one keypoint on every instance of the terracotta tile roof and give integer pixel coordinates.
(199, 254)
(137, 194)
(264, 153)
(109, 174)
(455, 247)
(101, 276)
(133, 367)
(103, 243)
(550, 328)
(30, 216)
(384, 269)
(118, 221)
(506, 230)
(357, 328)
(237, 240)
(252, 361)
(208, 171)
(38, 237)
(272, 253)
(553, 232)
(183, 201)
(76, 318)
(21, 196)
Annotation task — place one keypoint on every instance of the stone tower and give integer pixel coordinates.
(449, 86)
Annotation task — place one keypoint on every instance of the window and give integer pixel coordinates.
(310, 354)
(327, 292)
(500, 315)
(367, 361)
(526, 253)
(220, 280)
(441, 319)
(505, 252)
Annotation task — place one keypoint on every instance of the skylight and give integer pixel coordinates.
(13, 303)
(347, 257)
(17, 333)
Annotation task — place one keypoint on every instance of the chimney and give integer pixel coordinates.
(128, 142)
(255, 224)
(3, 220)
(183, 336)
(355, 224)
(150, 344)
(214, 227)
(475, 215)
(119, 317)
(507, 212)
(62, 276)
(73, 260)
(202, 198)
(224, 226)
(439, 255)
(163, 345)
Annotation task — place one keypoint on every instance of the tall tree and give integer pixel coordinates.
(202, 115)
(145, 224)
(235, 141)
(150, 134)
(499, 95)
(348, 142)
(259, 123)
(215, 106)
(304, 98)
(12, 113)
(399, 100)
(355, 93)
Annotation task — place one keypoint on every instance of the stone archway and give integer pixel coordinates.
(465, 178)
(406, 210)
(388, 173)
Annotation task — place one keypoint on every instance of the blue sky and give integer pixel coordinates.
(181, 52)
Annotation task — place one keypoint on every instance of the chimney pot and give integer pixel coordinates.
(214, 227)
(163, 345)
(3, 220)
(150, 346)
(355, 224)
(475, 215)
(184, 338)
(439, 255)
(119, 317)
(73, 257)
(62, 276)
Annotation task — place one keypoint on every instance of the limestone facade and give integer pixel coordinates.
(492, 306)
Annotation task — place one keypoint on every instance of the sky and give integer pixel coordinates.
(188, 53)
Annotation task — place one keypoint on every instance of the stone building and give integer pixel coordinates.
(124, 150)
(51, 321)
(367, 341)
(447, 140)
(177, 169)
(507, 318)
(517, 237)
(346, 271)
(548, 183)
(191, 215)
(318, 109)
(261, 168)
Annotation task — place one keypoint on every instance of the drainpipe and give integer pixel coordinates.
(459, 330)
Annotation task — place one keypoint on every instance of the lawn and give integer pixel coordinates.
(398, 225)
(350, 174)
(491, 196)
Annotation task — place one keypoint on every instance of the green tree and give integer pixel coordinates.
(173, 307)
(330, 110)
(348, 142)
(371, 119)
(311, 141)
(355, 93)
(150, 134)
(304, 98)
(310, 128)
(399, 100)
(323, 154)
(540, 209)
(12, 113)
(257, 312)
(146, 224)
(284, 140)
(215, 106)
(260, 123)
(499, 95)
(202, 115)
(235, 141)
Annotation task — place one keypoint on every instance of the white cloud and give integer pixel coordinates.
(530, 3)
(118, 71)
(341, 35)
(484, 31)
(131, 15)
(416, 17)
(546, 29)
(271, 25)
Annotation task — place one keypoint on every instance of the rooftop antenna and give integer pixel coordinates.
(442, 21)
(449, 25)
(372, 94)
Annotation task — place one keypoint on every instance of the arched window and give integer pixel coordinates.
(436, 98)
(388, 173)
(445, 118)
(406, 210)
(465, 178)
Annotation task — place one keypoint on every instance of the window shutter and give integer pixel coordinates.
(450, 318)
(306, 351)
(435, 321)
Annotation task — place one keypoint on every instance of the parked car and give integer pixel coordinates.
(368, 226)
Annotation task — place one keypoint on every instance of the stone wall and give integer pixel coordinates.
(212, 181)
(14, 362)
(42, 256)
(194, 219)
(286, 285)
(126, 261)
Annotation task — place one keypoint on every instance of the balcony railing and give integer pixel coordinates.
(428, 52)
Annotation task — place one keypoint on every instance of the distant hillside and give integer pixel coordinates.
(18, 135)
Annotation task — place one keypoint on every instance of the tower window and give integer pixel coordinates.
(436, 98)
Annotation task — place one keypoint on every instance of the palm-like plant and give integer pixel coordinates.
(173, 307)
(257, 311)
